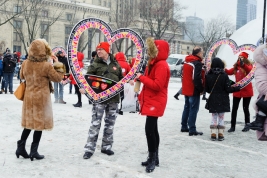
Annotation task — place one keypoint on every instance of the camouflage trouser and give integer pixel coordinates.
(110, 118)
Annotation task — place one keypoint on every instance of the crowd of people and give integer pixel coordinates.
(152, 98)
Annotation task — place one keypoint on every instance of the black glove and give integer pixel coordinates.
(241, 63)
(238, 88)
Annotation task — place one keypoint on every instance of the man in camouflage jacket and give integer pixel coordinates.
(104, 65)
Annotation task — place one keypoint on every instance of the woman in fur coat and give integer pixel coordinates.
(154, 94)
(260, 124)
(37, 108)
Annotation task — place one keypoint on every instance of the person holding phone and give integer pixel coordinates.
(240, 69)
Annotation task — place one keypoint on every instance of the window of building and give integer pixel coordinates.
(44, 13)
(99, 2)
(66, 40)
(17, 9)
(109, 4)
(105, 3)
(17, 48)
(187, 47)
(17, 24)
(16, 37)
(45, 31)
(68, 30)
(69, 17)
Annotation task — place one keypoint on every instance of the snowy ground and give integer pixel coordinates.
(240, 155)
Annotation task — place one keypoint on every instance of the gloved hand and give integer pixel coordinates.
(237, 88)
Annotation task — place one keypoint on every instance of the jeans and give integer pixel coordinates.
(189, 116)
(59, 90)
(8, 77)
(70, 87)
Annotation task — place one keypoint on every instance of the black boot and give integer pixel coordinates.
(79, 104)
(258, 123)
(21, 149)
(232, 129)
(157, 159)
(34, 153)
(151, 162)
(176, 96)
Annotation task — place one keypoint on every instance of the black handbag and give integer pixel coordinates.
(262, 105)
(207, 106)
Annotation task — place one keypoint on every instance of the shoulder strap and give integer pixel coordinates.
(214, 84)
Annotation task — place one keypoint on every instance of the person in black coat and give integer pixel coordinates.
(219, 86)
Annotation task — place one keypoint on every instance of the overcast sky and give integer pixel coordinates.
(207, 9)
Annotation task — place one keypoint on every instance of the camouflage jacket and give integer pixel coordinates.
(111, 71)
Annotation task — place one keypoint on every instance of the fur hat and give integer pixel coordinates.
(39, 51)
(244, 54)
(104, 45)
(157, 49)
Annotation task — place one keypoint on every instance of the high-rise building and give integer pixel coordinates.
(194, 27)
(246, 11)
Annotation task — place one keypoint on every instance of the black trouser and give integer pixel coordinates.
(121, 96)
(236, 101)
(77, 91)
(152, 134)
(36, 135)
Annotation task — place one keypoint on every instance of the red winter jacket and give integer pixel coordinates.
(80, 57)
(153, 97)
(239, 75)
(123, 63)
(193, 76)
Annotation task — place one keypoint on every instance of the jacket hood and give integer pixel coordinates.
(120, 56)
(157, 49)
(259, 55)
(80, 56)
(39, 51)
(192, 58)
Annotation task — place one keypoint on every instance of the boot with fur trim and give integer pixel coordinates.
(213, 136)
(220, 135)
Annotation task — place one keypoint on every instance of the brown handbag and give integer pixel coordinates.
(19, 93)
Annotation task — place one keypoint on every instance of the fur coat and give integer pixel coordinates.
(261, 81)
(38, 74)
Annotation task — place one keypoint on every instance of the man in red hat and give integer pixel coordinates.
(241, 68)
(104, 65)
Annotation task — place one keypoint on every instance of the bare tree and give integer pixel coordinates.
(37, 20)
(123, 17)
(160, 17)
(215, 28)
(9, 14)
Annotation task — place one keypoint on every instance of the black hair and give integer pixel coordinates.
(196, 50)
(217, 63)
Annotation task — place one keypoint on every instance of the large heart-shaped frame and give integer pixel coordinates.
(111, 37)
(59, 48)
(236, 49)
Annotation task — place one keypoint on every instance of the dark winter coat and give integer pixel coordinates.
(9, 63)
(154, 94)
(64, 60)
(192, 83)
(241, 73)
(1, 67)
(112, 71)
(219, 101)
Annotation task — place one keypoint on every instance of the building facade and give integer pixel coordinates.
(246, 11)
(194, 26)
(54, 20)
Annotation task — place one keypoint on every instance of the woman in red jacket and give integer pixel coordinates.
(241, 68)
(153, 97)
(80, 57)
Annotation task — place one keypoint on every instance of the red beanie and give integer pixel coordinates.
(244, 54)
(104, 45)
